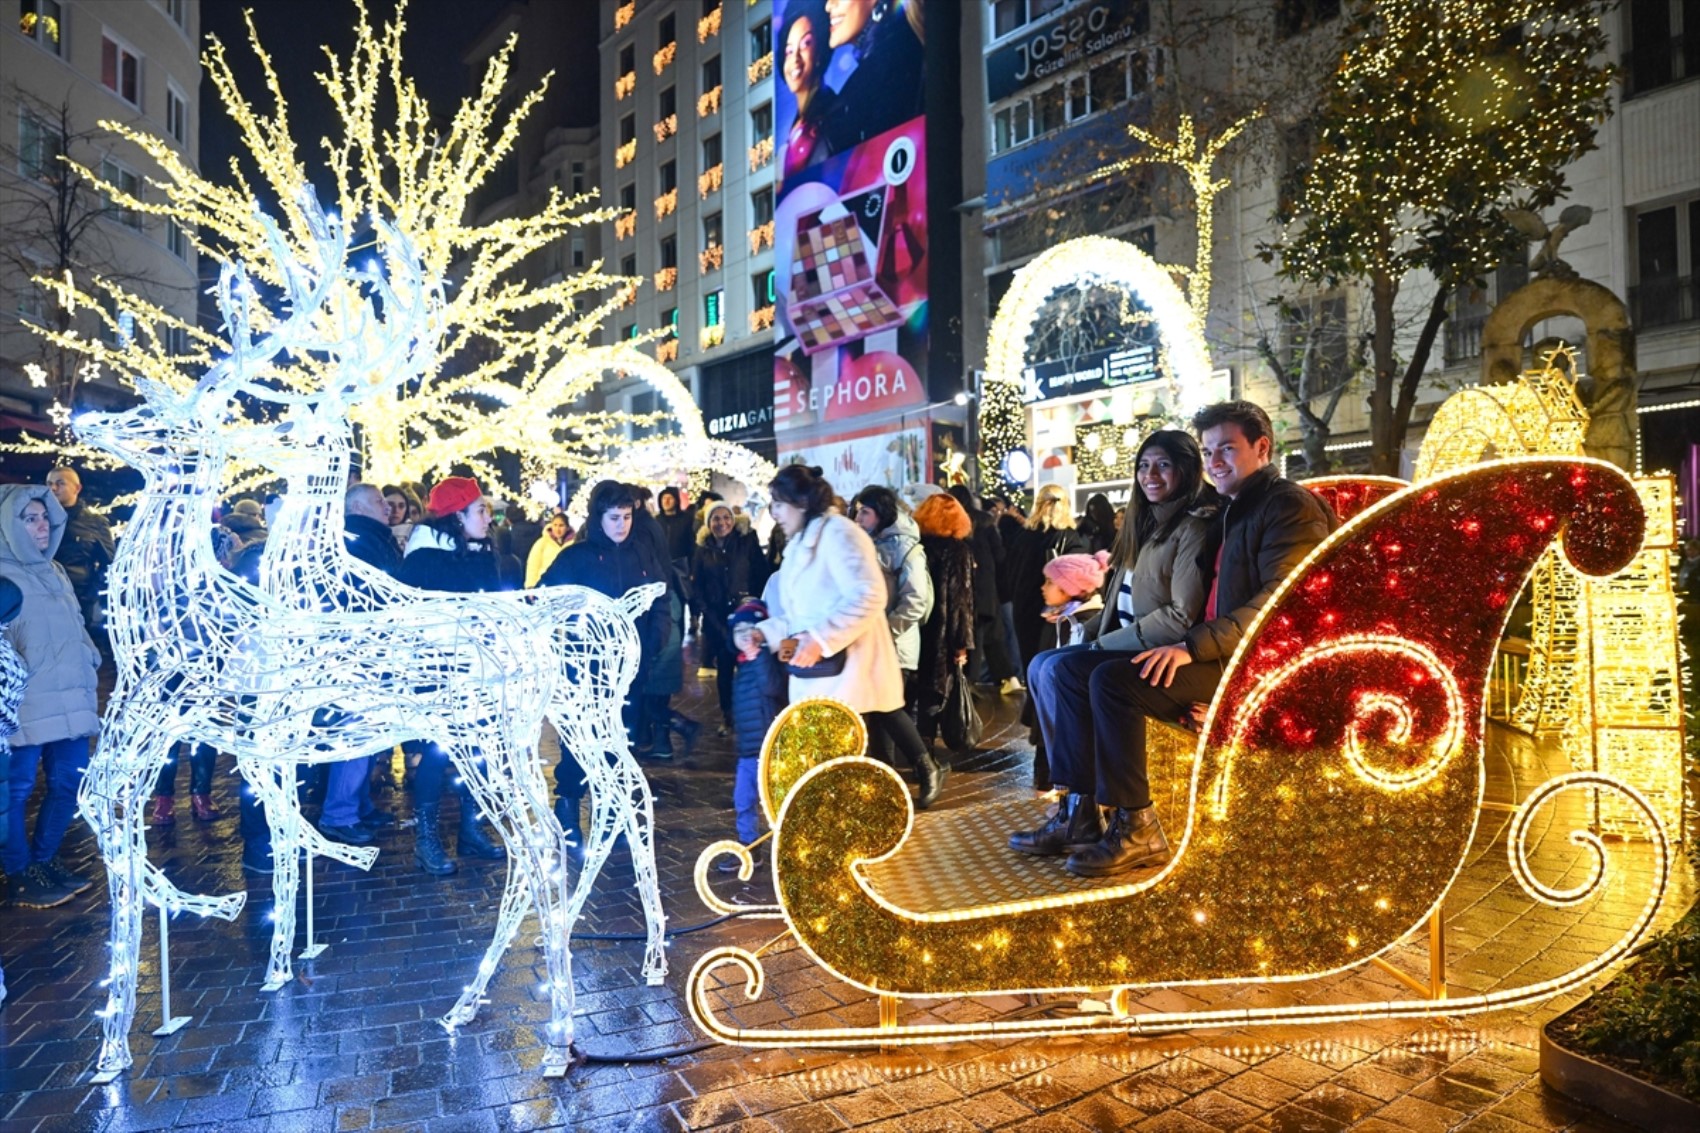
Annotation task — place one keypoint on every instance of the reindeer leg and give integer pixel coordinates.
(640, 837)
(283, 815)
(111, 799)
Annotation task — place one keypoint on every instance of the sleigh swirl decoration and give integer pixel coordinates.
(1333, 798)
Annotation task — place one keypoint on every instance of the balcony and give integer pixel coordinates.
(709, 103)
(711, 337)
(667, 127)
(624, 13)
(761, 154)
(1664, 302)
(666, 279)
(664, 58)
(708, 26)
(666, 204)
(667, 351)
(625, 154)
(709, 180)
(761, 68)
(761, 319)
(761, 236)
(1464, 337)
(625, 226)
(625, 85)
(710, 258)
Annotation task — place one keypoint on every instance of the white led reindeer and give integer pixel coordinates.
(288, 673)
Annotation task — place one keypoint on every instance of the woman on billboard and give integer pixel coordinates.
(807, 54)
(885, 89)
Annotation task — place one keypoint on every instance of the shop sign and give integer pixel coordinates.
(1106, 370)
(1050, 48)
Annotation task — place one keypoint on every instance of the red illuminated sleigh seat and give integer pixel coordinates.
(1321, 818)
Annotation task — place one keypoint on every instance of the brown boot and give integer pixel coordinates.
(1133, 841)
(201, 806)
(162, 816)
(1073, 826)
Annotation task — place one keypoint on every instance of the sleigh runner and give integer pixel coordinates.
(1338, 792)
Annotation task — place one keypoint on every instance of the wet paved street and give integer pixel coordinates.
(353, 1043)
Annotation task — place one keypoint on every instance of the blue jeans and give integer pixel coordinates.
(1044, 693)
(746, 800)
(63, 763)
(348, 789)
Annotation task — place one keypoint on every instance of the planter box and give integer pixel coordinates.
(1613, 1091)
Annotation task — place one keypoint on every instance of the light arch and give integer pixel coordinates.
(1103, 261)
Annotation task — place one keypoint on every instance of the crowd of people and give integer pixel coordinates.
(896, 603)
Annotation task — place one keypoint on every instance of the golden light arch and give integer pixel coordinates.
(658, 459)
(1102, 261)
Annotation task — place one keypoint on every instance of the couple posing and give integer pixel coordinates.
(1189, 572)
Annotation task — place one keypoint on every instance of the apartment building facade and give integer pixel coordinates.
(687, 150)
(67, 65)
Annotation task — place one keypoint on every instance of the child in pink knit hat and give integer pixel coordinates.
(1071, 593)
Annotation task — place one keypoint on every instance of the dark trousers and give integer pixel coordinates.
(717, 650)
(1108, 761)
(570, 783)
(201, 759)
(896, 729)
(990, 656)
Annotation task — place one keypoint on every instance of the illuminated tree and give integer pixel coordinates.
(1003, 427)
(509, 349)
(1440, 115)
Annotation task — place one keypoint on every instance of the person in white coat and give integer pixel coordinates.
(826, 611)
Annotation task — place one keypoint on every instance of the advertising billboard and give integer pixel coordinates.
(850, 237)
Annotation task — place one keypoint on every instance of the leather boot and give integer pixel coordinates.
(470, 841)
(931, 774)
(428, 844)
(687, 728)
(201, 806)
(162, 806)
(566, 813)
(1074, 826)
(1133, 840)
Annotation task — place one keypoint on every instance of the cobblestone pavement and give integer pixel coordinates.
(353, 1043)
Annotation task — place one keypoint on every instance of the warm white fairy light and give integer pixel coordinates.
(661, 460)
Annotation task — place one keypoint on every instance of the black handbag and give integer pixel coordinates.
(960, 724)
(825, 667)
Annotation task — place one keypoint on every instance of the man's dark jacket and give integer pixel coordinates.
(86, 549)
(613, 568)
(372, 543)
(1265, 532)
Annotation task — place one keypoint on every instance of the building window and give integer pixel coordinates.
(669, 30)
(39, 148)
(761, 206)
(1471, 306)
(178, 10)
(1664, 43)
(762, 287)
(669, 101)
(1298, 149)
(44, 22)
(1035, 113)
(577, 173)
(711, 151)
(1667, 264)
(628, 331)
(761, 121)
(713, 230)
(628, 265)
(761, 51)
(714, 308)
(130, 183)
(671, 319)
(669, 251)
(1011, 15)
(176, 115)
(120, 69)
(628, 59)
(709, 102)
(578, 251)
(1294, 17)
(628, 129)
(176, 240)
(628, 197)
(669, 174)
(176, 340)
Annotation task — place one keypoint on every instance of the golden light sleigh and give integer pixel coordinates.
(1334, 794)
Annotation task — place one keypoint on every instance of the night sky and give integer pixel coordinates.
(293, 32)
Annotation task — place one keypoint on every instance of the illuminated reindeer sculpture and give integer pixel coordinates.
(285, 673)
